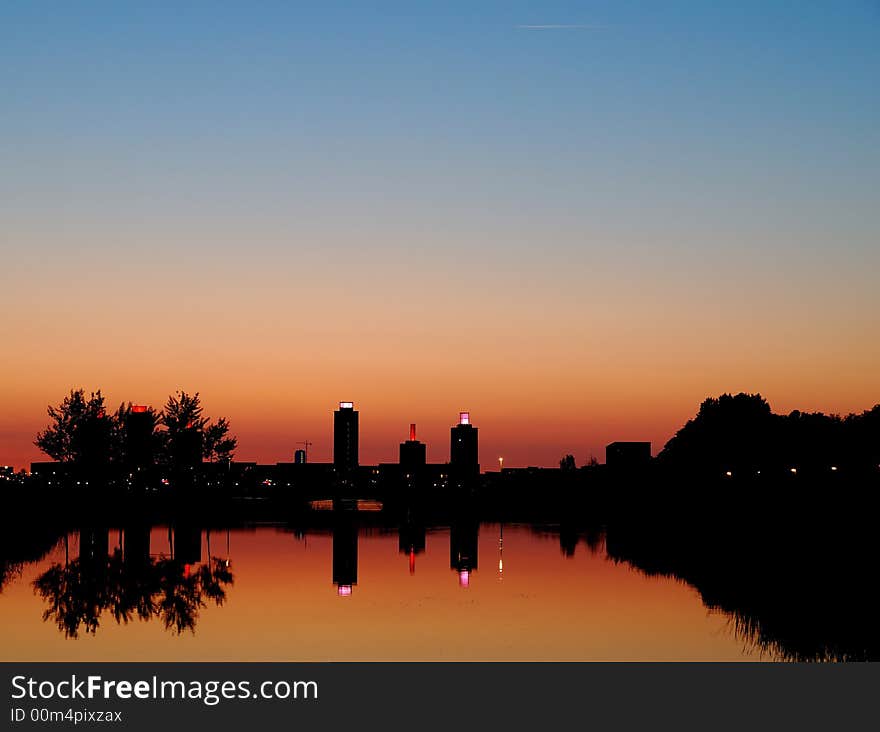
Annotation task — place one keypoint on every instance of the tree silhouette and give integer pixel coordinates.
(188, 431)
(218, 444)
(740, 434)
(80, 431)
(76, 597)
(183, 412)
(567, 463)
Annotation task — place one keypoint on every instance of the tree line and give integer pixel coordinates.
(740, 434)
(82, 431)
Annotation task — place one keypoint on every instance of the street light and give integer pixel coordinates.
(500, 464)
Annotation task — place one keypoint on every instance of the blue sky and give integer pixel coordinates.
(654, 101)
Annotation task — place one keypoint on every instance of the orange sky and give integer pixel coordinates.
(553, 350)
(558, 372)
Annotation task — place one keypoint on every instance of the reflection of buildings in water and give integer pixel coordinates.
(463, 548)
(411, 542)
(94, 548)
(568, 539)
(345, 556)
(570, 535)
(500, 552)
(130, 583)
(187, 546)
(228, 549)
(227, 562)
(136, 544)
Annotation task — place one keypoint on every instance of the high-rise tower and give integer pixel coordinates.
(464, 460)
(345, 437)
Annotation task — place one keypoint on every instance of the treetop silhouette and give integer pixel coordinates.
(81, 432)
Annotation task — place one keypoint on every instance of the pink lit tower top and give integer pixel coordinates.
(464, 455)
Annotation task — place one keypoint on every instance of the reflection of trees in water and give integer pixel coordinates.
(8, 571)
(79, 592)
(791, 593)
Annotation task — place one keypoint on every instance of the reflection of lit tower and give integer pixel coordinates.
(413, 454)
(139, 425)
(463, 543)
(411, 542)
(501, 552)
(345, 556)
(464, 461)
(345, 437)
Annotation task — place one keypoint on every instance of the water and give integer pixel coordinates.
(350, 591)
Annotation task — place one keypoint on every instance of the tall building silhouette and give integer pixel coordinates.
(345, 437)
(413, 454)
(464, 460)
(139, 425)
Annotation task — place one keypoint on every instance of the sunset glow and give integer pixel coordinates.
(577, 234)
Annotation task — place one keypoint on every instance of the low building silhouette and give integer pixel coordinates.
(628, 455)
(413, 453)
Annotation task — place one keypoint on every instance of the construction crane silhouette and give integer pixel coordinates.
(306, 444)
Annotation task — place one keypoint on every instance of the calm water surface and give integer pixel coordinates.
(482, 592)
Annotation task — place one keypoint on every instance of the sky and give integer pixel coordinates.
(575, 220)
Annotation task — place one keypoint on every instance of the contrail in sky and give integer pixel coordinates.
(562, 26)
